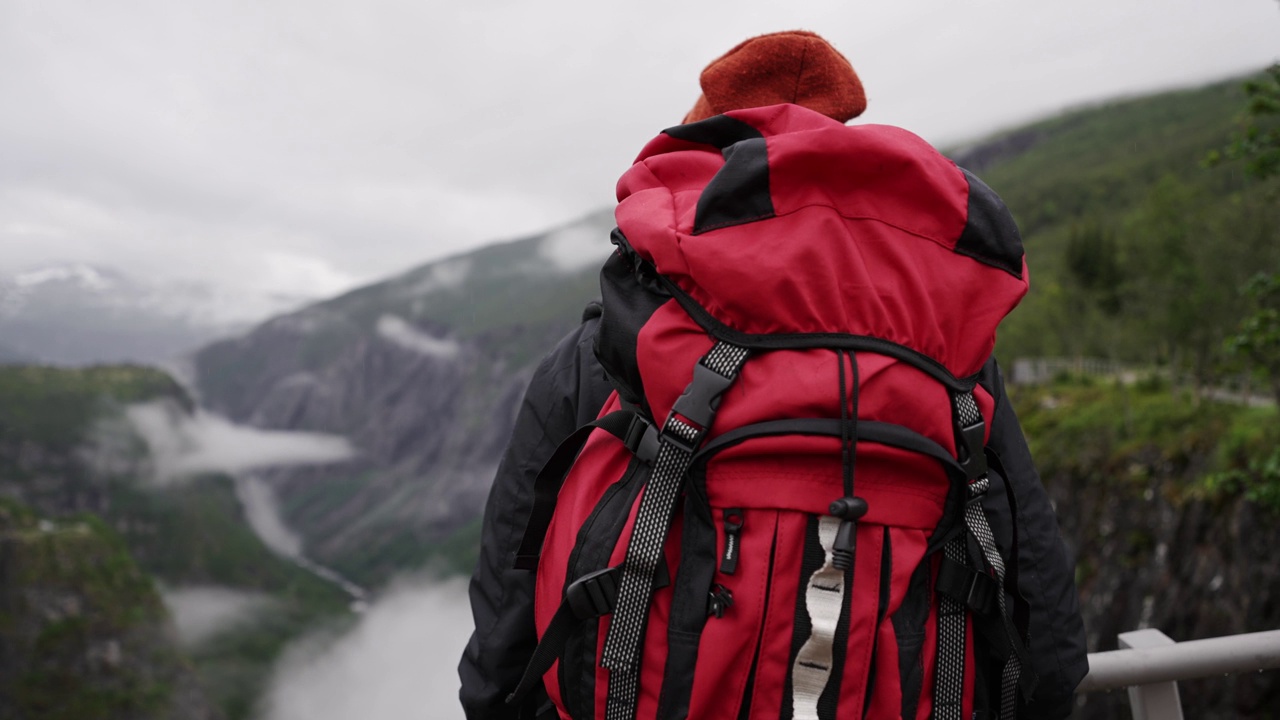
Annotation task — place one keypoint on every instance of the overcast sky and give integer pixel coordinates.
(295, 146)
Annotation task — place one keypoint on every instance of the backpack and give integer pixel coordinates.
(776, 514)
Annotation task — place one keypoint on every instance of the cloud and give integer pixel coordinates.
(400, 661)
(200, 141)
(200, 613)
(182, 444)
(403, 334)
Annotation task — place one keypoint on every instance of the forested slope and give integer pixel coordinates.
(1138, 250)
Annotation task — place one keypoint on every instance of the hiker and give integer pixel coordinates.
(865, 565)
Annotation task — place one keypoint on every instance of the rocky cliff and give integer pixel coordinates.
(423, 373)
(1169, 512)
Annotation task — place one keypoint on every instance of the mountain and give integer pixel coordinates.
(423, 373)
(77, 314)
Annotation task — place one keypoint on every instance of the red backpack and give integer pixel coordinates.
(775, 514)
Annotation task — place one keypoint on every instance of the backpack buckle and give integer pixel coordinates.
(593, 594)
(700, 399)
(973, 456)
(642, 439)
(976, 590)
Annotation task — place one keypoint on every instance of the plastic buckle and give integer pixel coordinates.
(974, 589)
(642, 439)
(594, 594)
(973, 456)
(700, 399)
(981, 594)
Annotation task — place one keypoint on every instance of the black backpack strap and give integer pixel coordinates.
(963, 588)
(682, 434)
(588, 597)
(629, 426)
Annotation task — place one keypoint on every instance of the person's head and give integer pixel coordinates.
(785, 67)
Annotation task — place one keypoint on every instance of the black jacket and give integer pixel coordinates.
(568, 390)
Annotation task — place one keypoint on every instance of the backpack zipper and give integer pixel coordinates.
(721, 599)
(733, 520)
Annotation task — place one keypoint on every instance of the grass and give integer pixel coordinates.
(1126, 432)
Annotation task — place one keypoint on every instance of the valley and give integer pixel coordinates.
(298, 513)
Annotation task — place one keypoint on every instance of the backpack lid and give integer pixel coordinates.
(780, 220)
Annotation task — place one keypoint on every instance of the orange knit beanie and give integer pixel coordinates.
(786, 67)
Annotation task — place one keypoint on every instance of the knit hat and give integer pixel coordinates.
(786, 67)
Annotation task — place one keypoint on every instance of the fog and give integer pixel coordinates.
(182, 445)
(398, 663)
(263, 514)
(200, 613)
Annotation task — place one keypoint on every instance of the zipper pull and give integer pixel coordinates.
(732, 537)
(721, 599)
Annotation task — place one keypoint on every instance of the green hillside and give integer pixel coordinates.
(1137, 249)
(84, 631)
(191, 533)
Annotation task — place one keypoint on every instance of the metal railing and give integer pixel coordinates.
(1150, 664)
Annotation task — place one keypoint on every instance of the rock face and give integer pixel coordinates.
(1193, 569)
(423, 373)
(84, 632)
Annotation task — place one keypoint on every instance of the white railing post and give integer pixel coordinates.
(1156, 700)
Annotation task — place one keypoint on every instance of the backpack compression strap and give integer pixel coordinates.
(682, 434)
(629, 426)
(977, 587)
(594, 594)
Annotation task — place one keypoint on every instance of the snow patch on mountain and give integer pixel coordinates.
(400, 332)
(98, 289)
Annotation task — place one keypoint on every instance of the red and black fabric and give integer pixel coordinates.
(865, 275)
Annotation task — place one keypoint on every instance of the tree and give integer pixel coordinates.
(1093, 260)
(1258, 336)
(1258, 145)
